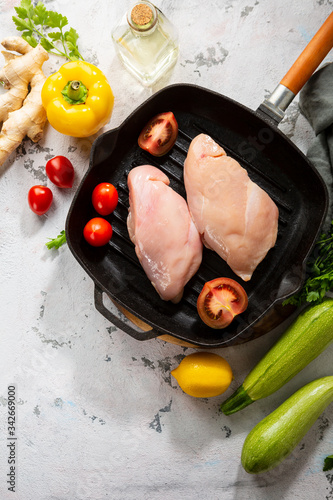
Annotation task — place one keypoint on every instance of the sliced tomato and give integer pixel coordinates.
(220, 301)
(159, 134)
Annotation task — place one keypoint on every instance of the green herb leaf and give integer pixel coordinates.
(328, 463)
(73, 56)
(57, 242)
(25, 10)
(21, 12)
(313, 296)
(41, 13)
(71, 38)
(46, 44)
(26, 4)
(30, 39)
(22, 25)
(35, 21)
(55, 36)
(320, 272)
(56, 20)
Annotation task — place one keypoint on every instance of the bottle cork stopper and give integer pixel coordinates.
(141, 14)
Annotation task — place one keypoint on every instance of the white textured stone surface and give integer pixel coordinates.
(98, 413)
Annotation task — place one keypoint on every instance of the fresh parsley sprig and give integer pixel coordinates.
(320, 276)
(35, 22)
(58, 241)
(328, 463)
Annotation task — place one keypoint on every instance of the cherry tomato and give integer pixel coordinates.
(159, 135)
(104, 198)
(220, 301)
(40, 199)
(60, 171)
(97, 232)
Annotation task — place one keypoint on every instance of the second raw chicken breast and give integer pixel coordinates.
(166, 240)
(234, 216)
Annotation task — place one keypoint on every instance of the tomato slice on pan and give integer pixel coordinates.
(220, 301)
(159, 134)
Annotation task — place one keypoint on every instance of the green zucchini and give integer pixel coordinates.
(302, 342)
(275, 437)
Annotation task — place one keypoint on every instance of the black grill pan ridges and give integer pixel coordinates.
(272, 161)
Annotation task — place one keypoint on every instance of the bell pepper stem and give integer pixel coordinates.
(75, 92)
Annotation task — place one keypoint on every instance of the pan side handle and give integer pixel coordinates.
(291, 282)
(300, 72)
(122, 325)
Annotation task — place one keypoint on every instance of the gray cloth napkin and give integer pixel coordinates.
(316, 104)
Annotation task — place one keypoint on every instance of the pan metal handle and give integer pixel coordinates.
(122, 325)
(300, 72)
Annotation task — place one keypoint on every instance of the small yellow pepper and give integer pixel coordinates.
(78, 99)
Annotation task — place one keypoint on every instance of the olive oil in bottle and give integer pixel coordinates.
(146, 42)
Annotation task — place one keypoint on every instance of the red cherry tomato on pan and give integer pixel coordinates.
(60, 171)
(220, 301)
(40, 199)
(97, 232)
(159, 134)
(104, 198)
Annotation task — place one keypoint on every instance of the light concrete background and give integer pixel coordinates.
(99, 415)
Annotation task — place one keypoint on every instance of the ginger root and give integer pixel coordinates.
(21, 109)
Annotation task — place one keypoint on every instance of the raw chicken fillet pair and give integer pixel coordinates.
(225, 211)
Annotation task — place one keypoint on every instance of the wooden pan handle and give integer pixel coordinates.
(310, 58)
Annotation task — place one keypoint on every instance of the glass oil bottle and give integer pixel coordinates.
(146, 42)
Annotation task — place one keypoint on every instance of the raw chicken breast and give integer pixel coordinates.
(234, 216)
(166, 240)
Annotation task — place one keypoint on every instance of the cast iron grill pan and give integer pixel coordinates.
(271, 160)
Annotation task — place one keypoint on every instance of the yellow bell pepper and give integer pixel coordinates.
(78, 99)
